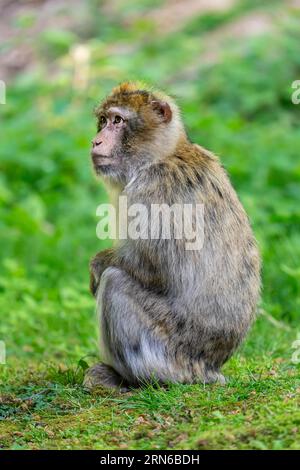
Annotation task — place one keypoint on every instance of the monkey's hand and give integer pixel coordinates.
(98, 264)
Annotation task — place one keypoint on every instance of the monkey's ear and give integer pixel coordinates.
(163, 109)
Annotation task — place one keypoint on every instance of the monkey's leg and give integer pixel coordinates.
(139, 337)
(105, 376)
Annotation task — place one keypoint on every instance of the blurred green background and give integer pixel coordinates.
(230, 64)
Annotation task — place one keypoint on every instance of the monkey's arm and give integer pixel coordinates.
(98, 264)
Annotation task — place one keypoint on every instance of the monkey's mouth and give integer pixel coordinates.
(102, 160)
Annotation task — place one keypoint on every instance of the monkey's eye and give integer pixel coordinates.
(102, 121)
(118, 119)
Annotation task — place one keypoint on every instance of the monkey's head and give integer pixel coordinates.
(135, 127)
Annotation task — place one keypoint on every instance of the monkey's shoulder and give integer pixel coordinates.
(189, 172)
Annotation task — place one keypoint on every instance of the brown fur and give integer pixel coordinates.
(165, 312)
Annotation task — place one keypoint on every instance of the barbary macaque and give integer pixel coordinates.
(167, 313)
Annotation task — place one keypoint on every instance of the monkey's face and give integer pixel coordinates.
(107, 146)
(126, 135)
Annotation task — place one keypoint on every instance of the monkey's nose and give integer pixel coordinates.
(96, 142)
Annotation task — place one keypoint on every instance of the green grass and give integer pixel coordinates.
(240, 108)
(45, 407)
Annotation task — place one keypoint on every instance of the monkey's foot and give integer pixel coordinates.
(213, 376)
(105, 376)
